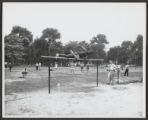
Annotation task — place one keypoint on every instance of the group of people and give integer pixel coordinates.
(72, 66)
(38, 66)
(115, 69)
(82, 66)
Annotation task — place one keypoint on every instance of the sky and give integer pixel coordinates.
(78, 21)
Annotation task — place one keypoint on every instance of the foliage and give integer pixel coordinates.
(19, 45)
(128, 52)
(76, 47)
(51, 35)
(39, 47)
(120, 54)
(97, 45)
(14, 49)
(23, 34)
(113, 53)
(70, 46)
(137, 51)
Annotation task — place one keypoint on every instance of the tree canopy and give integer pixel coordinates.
(20, 46)
(97, 45)
(50, 35)
(128, 52)
(17, 44)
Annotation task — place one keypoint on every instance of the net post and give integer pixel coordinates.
(97, 73)
(49, 78)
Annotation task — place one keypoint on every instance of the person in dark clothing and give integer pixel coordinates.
(10, 67)
(87, 67)
(37, 66)
(126, 70)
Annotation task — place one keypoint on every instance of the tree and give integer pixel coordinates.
(51, 35)
(97, 45)
(114, 54)
(56, 47)
(129, 52)
(72, 45)
(120, 54)
(14, 49)
(137, 51)
(17, 44)
(26, 37)
(23, 34)
(100, 39)
(84, 44)
(38, 48)
(126, 47)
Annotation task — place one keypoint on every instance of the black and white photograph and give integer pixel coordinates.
(74, 59)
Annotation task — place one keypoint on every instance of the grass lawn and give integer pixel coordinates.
(69, 82)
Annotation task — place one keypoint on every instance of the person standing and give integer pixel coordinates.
(56, 65)
(37, 66)
(10, 67)
(87, 67)
(126, 70)
(111, 72)
(82, 66)
(118, 72)
(72, 65)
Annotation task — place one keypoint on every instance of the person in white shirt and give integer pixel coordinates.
(111, 72)
(72, 67)
(56, 65)
(39, 65)
(82, 66)
(118, 72)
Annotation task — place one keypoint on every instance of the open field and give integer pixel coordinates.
(77, 94)
(69, 82)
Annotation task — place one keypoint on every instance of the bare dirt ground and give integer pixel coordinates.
(72, 95)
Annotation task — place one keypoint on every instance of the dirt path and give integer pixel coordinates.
(103, 101)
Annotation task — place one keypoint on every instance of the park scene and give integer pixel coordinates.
(96, 77)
